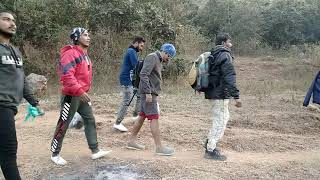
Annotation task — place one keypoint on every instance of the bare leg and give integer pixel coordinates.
(136, 128)
(154, 126)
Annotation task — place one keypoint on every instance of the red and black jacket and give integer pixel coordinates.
(75, 70)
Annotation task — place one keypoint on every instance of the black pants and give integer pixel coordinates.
(8, 144)
(69, 106)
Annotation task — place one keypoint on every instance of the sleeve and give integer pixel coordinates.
(133, 58)
(229, 76)
(148, 66)
(310, 91)
(28, 95)
(68, 64)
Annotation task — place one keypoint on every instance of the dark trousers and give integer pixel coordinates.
(69, 106)
(8, 144)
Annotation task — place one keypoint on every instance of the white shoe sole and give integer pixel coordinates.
(59, 164)
(134, 148)
(162, 154)
(122, 130)
(102, 155)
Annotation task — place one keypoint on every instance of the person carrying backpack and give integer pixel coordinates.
(222, 87)
(150, 88)
(129, 62)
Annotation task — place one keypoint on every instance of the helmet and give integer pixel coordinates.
(169, 49)
(76, 33)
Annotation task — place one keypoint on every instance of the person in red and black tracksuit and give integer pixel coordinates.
(75, 70)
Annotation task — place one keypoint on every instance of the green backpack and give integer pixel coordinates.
(198, 76)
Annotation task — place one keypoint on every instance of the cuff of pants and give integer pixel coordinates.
(93, 147)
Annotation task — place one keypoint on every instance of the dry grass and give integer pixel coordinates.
(284, 75)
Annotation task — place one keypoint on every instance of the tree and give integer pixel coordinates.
(312, 21)
(283, 23)
(214, 16)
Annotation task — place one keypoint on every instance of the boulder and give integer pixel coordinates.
(37, 83)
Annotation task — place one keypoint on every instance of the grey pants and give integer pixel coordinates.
(69, 106)
(220, 118)
(127, 93)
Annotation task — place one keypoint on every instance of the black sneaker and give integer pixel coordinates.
(215, 154)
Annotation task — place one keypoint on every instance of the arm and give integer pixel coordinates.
(148, 66)
(68, 79)
(229, 75)
(133, 57)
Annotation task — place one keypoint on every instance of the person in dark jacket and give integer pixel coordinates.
(75, 70)
(129, 62)
(314, 92)
(13, 87)
(222, 87)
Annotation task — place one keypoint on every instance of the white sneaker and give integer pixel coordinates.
(120, 127)
(99, 154)
(58, 160)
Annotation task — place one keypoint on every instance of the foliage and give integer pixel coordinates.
(283, 23)
(44, 26)
(278, 23)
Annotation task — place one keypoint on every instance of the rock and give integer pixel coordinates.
(37, 83)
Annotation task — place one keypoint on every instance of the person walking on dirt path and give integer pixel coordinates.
(129, 62)
(13, 87)
(313, 92)
(223, 79)
(75, 71)
(150, 87)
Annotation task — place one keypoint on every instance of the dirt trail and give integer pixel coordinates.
(271, 137)
(246, 157)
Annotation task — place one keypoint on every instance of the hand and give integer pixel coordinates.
(148, 98)
(85, 97)
(238, 103)
(40, 110)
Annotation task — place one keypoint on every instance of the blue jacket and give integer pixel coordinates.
(129, 62)
(313, 91)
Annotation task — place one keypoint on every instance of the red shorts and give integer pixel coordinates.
(150, 116)
(149, 110)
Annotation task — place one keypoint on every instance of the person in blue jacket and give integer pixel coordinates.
(313, 91)
(129, 62)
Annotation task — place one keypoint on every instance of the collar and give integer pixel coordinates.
(5, 45)
(135, 48)
(159, 55)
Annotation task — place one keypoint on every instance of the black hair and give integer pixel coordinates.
(75, 33)
(75, 42)
(138, 39)
(222, 37)
(7, 11)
